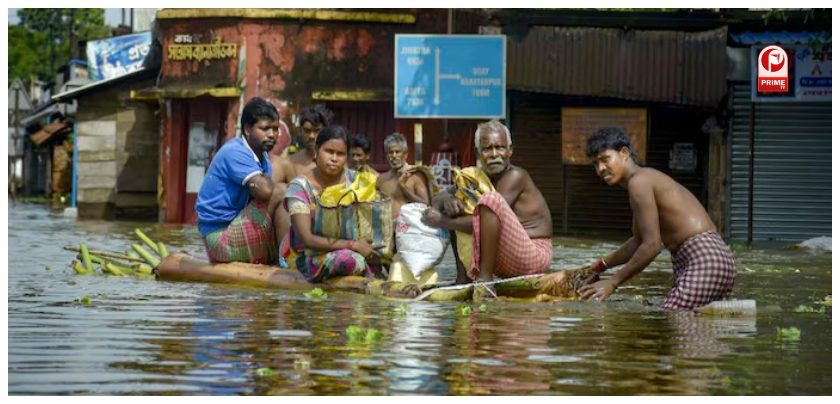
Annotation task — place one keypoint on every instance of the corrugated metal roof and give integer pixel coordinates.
(663, 66)
(784, 37)
(88, 87)
(44, 110)
(48, 131)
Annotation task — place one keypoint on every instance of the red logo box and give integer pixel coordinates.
(773, 70)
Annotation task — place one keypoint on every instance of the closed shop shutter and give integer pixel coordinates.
(535, 128)
(589, 205)
(791, 170)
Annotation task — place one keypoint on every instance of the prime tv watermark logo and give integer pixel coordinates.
(773, 70)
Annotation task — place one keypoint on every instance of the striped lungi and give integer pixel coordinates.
(517, 254)
(704, 271)
(248, 238)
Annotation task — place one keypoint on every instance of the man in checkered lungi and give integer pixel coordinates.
(511, 226)
(664, 212)
(238, 203)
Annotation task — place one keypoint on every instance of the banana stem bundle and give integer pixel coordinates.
(151, 259)
(135, 261)
(143, 237)
(86, 257)
(107, 254)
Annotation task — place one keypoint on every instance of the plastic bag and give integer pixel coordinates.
(420, 246)
(362, 189)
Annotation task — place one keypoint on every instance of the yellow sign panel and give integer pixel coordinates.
(579, 123)
(202, 51)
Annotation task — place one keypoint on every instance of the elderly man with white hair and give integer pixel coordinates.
(511, 222)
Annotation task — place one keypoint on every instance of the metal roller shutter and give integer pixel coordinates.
(791, 170)
(586, 203)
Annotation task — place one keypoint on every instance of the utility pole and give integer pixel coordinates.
(16, 135)
(74, 48)
(450, 21)
(52, 40)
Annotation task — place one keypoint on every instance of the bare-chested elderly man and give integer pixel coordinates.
(511, 226)
(402, 183)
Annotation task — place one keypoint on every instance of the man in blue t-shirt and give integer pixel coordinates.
(237, 201)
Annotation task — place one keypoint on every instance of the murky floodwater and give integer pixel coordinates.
(141, 336)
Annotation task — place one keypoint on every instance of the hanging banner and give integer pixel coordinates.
(113, 57)
(813, 73)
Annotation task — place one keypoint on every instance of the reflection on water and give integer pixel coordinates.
(141, 336)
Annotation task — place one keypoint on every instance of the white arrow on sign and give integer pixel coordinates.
(439, 77)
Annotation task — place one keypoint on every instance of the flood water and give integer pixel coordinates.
(142, 336)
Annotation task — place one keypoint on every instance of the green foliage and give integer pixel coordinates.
(45, 30)
(401, 310)
(353, 332)
(464, 310)
(808, 309)
(264, 372)
(84, 300)
(372, 335)
(790, 334)
(355, 335)
(316, 293)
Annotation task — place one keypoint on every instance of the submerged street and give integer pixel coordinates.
(72, 334)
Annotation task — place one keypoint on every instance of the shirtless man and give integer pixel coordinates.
(360, 154)
(286, 168)
(312, 120)
(512, 223)
(401, 183)
(664, 212)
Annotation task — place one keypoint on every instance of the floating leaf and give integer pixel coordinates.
(790, 334)
(482, 308)
(401, 310)
(47, 268)
(85, 300)
(808, 309)
(316, 293)
(353, 333)
(372, 335)
(464, 310)
(263, 372)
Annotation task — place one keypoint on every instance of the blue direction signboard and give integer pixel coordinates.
(449, 76)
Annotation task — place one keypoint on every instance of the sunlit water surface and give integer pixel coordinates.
(142, 336)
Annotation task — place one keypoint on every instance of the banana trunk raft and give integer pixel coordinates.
(560, 285)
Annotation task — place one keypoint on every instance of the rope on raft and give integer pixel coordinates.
(427, 293)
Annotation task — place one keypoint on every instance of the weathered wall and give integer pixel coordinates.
(118, 154)
(287, 60)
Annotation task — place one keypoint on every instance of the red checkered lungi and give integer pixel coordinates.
(518, 254)
(704, 271)
(248, 238)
